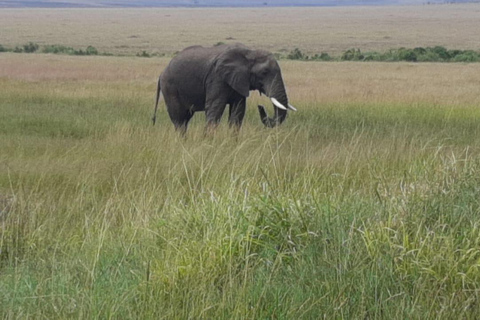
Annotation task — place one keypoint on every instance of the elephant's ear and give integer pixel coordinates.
(232, 67)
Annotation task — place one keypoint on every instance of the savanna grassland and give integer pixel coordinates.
(313, 30)
(363, 204)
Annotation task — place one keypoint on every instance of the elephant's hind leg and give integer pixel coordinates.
(178, 112)
(180, 121)
(181, 126)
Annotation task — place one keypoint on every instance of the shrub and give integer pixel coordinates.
(467, 56)
(429, 56)
(296, 54)
(352, 55)
(370, 57)
(91, 51)
(322, 56)
(441, 52)
(374, 56)
(454, 53)
(56, 49)
(419, 51)
(30, 47)
(278, 56)
(407, 55)
(143, 54)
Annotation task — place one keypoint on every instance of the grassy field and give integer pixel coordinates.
(364, 204)
(313, 30)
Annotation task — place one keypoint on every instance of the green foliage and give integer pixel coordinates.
(59, 49)
(297, 54)
(418, 54)
(218, 44)
(143, 54)
(352, 55)
(322, 57)
(419, 51)
(429, 54)
(441, 52)
(374, 56)
(91, 51)
(278, 55)
(407, 55)
(30, 47)
(466, 56)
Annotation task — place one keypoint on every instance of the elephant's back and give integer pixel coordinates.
(195, 54)
(197, 58)
(191, 61)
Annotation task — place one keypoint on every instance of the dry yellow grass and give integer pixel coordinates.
(321, 29)
(313, 83)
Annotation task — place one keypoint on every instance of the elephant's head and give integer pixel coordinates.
(244, 70)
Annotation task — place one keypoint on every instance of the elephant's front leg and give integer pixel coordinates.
(215, 103)
(237, 113)
(213, 112)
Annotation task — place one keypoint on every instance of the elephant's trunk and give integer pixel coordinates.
(276, 92)
(277, 119)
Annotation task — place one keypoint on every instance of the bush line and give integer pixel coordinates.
(419, 54)
(32, 47)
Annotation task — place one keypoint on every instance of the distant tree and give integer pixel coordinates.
(322, 56)
(91, 51)
(143, 54)
(296, 54)
(441, 52)
(352, 55)
(407, 55)
(30, 47)
(419, 51)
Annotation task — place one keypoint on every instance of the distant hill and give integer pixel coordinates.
(209, 3)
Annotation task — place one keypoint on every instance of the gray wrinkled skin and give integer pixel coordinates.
(209, 79)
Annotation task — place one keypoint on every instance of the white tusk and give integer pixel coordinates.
(291, 107)
(278, 104)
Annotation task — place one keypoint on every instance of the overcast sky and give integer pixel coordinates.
(208, 3)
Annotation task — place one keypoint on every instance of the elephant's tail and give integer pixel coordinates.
(154, 119)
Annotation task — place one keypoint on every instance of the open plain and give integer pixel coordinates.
(313, 30)
(363, 204)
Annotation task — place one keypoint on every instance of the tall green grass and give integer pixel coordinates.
(346, 211)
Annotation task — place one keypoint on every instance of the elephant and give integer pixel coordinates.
(208, 78)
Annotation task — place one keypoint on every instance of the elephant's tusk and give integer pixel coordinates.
(278, 104)
(291, 107)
